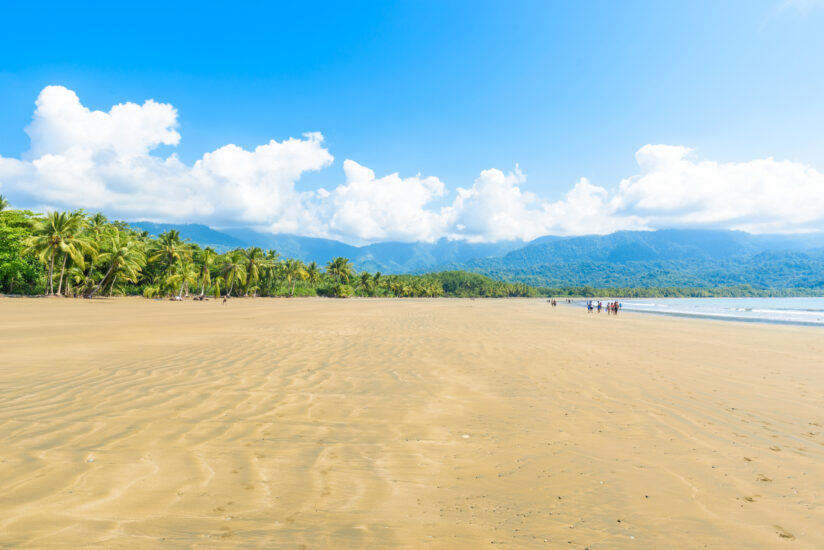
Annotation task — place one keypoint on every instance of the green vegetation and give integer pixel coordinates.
(73, 254)
(20, 272)
(763, 274)
(669, 263)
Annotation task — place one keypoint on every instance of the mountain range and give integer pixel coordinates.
(387, 257)
(671, 257)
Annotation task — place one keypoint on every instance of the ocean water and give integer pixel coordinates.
(794, 311)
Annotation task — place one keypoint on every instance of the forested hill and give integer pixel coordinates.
(667, 244)
(669, 258)
(763, 271)
(665, 258)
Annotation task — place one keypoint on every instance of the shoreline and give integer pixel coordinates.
(577, 303)
(735, 316)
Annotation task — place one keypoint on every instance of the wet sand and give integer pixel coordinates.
(312, 423)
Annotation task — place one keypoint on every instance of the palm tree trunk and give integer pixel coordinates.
(62, 271)
(51, 276)
(94, 291)
(111, 288)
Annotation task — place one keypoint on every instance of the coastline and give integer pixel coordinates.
(798, 311)
(341, 423)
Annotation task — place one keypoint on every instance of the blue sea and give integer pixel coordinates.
(793, 311)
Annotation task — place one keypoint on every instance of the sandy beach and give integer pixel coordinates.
(316, 423)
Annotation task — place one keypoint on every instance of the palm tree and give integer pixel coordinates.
(169, 250)
(83, 244)
(270, 269)
(4, 203)
(340, 269)
(216, 288)
(80, 278)
(365, 281)
(255, 263)
(313, 273)
(234, 269)
(151, 292)
(125, 260)
(96, 225)
(293, 270)
(59, 232)
(185, 274)
(154, 286)
(207, 259)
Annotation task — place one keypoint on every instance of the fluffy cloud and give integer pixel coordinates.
(496, 208)
(103, 161)
(758, 196)
(381, 209)
(670, 190)
(61, 124)
(107, 161)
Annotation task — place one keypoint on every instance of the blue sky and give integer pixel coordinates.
(445, 90)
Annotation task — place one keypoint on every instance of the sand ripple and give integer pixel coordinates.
(403, 424)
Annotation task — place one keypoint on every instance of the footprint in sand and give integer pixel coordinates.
(775, 448)
(783, 533)
(762, 477)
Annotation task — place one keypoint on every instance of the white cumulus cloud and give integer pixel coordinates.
(62, 124)
(496, 208)
(759, 196)
(103, 161)
(109, 162)
(671, 190)
(381, 209)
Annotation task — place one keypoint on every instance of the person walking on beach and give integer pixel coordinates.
(599, 306)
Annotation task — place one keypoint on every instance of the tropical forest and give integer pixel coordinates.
(73, 254)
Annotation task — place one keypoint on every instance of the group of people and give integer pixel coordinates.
(611, 307)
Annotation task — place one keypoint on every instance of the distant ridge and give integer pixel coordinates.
(664, 258)
(669, 257)
(389, 257)
(664, 244)
(200, 234)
